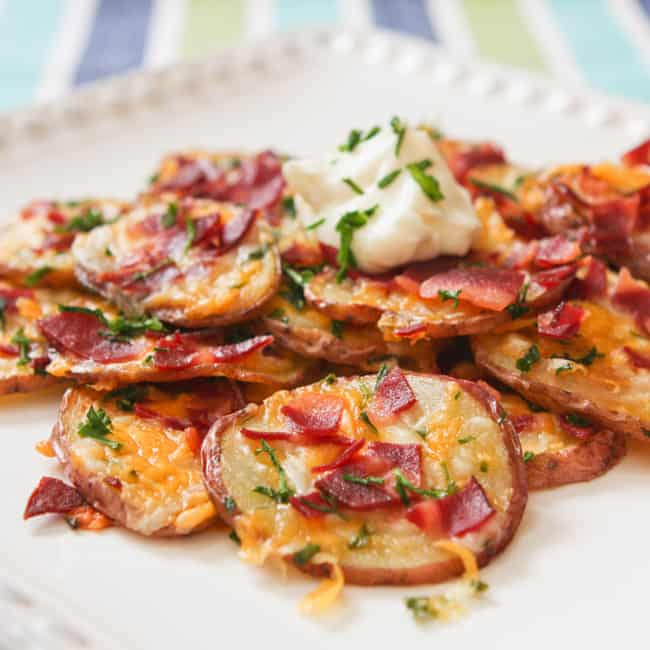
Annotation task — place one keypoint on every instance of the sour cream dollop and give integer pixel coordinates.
(408, 225)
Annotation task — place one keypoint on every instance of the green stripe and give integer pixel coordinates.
(211, 24)
(502, 35)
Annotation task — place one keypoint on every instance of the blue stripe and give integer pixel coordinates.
(290, 14)
(601, 48)
(410, 16)
(27, 32)
(117, 40)
(645, 5)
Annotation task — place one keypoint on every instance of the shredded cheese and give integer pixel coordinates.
(467, 557)
(325, 595)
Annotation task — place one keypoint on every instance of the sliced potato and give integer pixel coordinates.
(591, 373)
(372, 544)
(194, 263)
(142, 469)
(36, 244)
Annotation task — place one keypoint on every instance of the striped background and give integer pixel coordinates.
(48, 46)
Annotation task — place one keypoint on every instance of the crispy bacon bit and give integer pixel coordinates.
(237, 351)
(114, 482)
(52, 496)
(311, 505)
(393, 395)
(580, 430)
(235, 229)
(58, 242)
(343, 459)
(314, 413)
(612, 223)
(297, 438)
(633, 297)
(593, 284)
(523, 422)
(9, 350)
(486, 287)
(146, 413)
(552, 278)
(556, 251)
(462, 160)
(411, 332)
(456, 514)
(175, 352)
(638, 359)
(208, 228)
(563, 322)
(640, 155)
(378, 461)
(522, 255)
(414, 275)
(80, 333)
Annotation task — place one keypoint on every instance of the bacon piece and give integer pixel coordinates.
(81, 334)
(237, 351)
(146, 413)
(306, 440)
(393, 395)
(235, 229)
(10, 296)
(556, 251)
(640, 155)
(522, 422)
(522, 255)
(427, 516)
(562, 322)
(113, 482)
(638, 359)
(580, 432)
(9, 350)
(55, 241)
(52, 496)
(414, 275)
(208, 228)
(612, 223)
(489, 288)
(633, 297)
(175, 352)
(552, 278)
(343, 459)
(379, 460)
(593, 284)
(463, 159)
(315, 500)
(411, 332)
(314, 413)
(459, 513)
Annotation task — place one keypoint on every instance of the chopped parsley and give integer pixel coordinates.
(528, 456)
(399, 129)
(329, 509)
(353, 186)
(315, 224)
(168, 219)
(108, 252)
(577, 420)
(356, 136)
(364, 416)
(3, 307)
(362, 539)
(98, 426)
(519, 308)
(234, 537)
(289, 206)
(404, 486)
(284, 491)
(422, 433)
(85, 222)
(330, 378)
(296, 281)
(388, 179)
(120, 328)
(464, 440)
(153, 178)
(337, 328)
(445, 295)
(565, 367)
(279, 314)
(483, 467)
(428, 184)
(491, 187)
(532, 356)
(230, 505)
(23, 344)
(143, 275)
(190, 229)
(126, 397)
(258, 253)
(303, 556)
(383, 371)
(585, 360)
(421, 608)
(36, 276)
(346, 226)
(363, 480)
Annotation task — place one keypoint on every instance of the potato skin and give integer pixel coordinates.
(582, 462)
(423, 574)
(560, 400)
(26, 383)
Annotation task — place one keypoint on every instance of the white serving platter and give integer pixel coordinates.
(577, 572)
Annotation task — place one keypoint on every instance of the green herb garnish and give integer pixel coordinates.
(491, 187)
(445, 295)
(235, 537)
(315, 224)
(383, 371)
(421, 608)
(399, 129)
(230, 505)
(279, 314)
(532, 356)
(297, 279)
(90, 219)
(518, 308)
(36, 276)
(258, 253)
(284, 491)
(404, 486)
(464, 440)
(98, 426)
(528, 456)
(577, 420)
(353, 186)
(363, 480)
(190, 229)
(337, 328)
(168, 219)
(388, 179)
(303, 556)
(126, 397)
(483, 467)
(362, 539)
(330, 378)
(428, 184)
(23, 344)
(364, 416)
(585, 360)
(346, 226)
(422, 433)
(289, 206)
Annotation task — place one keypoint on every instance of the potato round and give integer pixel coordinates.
(397, 551)
(152, 483)
(195, 263)
(36, 244)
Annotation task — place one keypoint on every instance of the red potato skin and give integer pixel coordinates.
(582, 462)
(425, 574)
(27, 383)
(562, 401)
